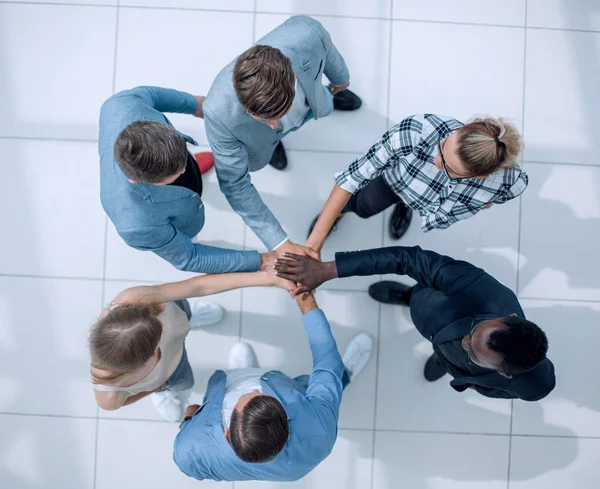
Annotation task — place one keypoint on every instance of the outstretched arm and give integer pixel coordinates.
(197, 287)
(426, 267)
(330, 213)
(325, 384)
(178, 249)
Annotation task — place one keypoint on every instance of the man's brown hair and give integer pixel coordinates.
(150, 152)
(260, 431)
(264, 82)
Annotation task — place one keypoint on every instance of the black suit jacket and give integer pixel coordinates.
(449, 297)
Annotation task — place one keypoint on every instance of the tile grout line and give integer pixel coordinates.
(358, 17)
(341, 428)
(328, 289)
(512, 402)
(104, 261)
(512, 413)
(379, 305)
(300, 150)
(244, 232)
(520, 219)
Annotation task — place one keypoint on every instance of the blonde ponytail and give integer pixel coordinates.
(488, 144)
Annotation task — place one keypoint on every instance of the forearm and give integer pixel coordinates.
(213, 284)
(322, 343)
(248, 204)
(194, 287)
(185, 255)
(331, 211)
(423, 266)
(306, 302)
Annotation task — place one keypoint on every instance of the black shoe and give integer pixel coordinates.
(346, 100)
(434, 370)
(279, 159)
(399, 221)
(314, 223)
(390, 292)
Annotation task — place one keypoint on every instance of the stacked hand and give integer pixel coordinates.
(307, 272)
(289, 247)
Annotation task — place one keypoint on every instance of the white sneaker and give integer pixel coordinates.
(357, 354)
(168, 405)
(242, 356)
(205, 314)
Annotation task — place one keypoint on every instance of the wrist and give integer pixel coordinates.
(313, 244)
(330, 270)
(306, 302)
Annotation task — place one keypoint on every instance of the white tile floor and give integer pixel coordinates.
(536, 62)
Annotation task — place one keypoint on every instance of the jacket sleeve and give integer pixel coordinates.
(428, 268)
(177, 248)
(335, 66)
(162, 99)
(495, 393)
(231, 164)
(325, 384)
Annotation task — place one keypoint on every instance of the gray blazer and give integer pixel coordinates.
(242, 144)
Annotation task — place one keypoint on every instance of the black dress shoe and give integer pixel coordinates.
(434, 370)
(390, 292)
(279, 158)
(399, 221)
(346, 100)
(314, 223)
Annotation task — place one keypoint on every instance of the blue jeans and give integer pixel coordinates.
(303, 380)
(183, 377)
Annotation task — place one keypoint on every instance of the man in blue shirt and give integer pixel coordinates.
(150, 185)
(259, 425)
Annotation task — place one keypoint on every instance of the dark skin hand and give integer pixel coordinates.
(307, 272)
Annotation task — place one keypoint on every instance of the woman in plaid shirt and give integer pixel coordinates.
(433, 164)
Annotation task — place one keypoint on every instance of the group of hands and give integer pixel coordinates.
(296, 268)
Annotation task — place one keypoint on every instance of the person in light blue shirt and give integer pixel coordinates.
(270, 90)
(150, 185)
(262, 425)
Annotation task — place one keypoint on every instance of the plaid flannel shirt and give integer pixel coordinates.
(404, 156)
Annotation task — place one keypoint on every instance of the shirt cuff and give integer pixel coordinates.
(252, 261)
(284, 240)
(346, 183)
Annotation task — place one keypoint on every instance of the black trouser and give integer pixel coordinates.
(371, 200)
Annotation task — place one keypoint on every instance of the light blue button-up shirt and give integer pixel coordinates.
(202, 451)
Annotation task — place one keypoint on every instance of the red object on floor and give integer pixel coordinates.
(205, 161)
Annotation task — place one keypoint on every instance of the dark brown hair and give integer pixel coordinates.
(488, 144)
(264, 82)
(260, 431)
(150, 152)
(124, 340)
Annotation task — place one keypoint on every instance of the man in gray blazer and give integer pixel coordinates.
(273, 88)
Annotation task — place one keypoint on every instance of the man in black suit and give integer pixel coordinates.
(478, 330)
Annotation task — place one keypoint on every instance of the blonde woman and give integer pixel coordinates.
(433, 164)
(137, 344)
